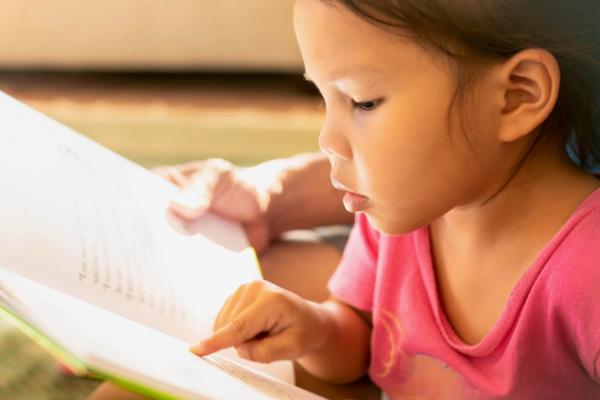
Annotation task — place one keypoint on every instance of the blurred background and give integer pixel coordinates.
(160, 83)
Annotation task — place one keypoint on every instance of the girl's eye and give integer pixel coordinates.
(366, 105)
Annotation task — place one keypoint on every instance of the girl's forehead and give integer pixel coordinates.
(336, 42)
(333, 21)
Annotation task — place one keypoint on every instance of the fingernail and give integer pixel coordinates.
(198, 349)
(185, 211)
(192, 197)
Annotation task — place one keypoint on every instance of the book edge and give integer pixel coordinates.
(74, 364)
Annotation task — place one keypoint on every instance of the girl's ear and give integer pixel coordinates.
(529, 83)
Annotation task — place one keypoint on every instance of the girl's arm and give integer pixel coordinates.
(268, 199)
(266, 323)
(344, 354)
(304, 197)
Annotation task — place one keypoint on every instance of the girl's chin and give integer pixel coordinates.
(390, 225)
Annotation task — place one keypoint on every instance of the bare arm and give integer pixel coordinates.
(344, 355)
(268, 199)
(267, 323)
(305, 197)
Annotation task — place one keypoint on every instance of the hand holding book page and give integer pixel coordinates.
(80, 219)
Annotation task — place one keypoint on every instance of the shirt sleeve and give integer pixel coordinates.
(588, 332)
(354, 280)
(577, 288)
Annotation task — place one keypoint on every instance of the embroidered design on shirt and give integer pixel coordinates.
(394, 331)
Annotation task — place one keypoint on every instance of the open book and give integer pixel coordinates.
(91, 269)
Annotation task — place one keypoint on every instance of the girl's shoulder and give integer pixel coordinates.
(583, 228)
(574, 254)
(573, 279)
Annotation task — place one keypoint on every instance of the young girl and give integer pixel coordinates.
(473, 268)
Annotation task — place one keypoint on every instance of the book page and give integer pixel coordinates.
(117, 347)
(81, 219)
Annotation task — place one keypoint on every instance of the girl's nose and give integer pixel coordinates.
(333, 142)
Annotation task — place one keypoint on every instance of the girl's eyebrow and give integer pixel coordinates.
(354, 70)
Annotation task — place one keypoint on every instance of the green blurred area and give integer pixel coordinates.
(179, 140)
(244, 137)
(28, 373)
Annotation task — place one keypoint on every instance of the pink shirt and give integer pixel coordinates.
(545, 344)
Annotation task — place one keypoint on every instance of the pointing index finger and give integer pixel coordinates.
(235, 332)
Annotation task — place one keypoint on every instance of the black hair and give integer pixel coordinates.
(473, 32)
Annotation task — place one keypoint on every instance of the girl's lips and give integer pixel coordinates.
(355, 202)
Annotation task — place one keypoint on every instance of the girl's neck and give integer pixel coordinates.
(532, 207)
(480, 252)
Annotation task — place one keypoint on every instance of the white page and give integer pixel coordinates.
(83, 220)
(97, 222)
(116, 346)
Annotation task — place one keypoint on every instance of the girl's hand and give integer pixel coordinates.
(266, 323)
(215, 185)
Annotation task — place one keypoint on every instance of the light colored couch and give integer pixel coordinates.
(249, 35)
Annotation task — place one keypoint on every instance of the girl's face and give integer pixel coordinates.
(386, 130)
